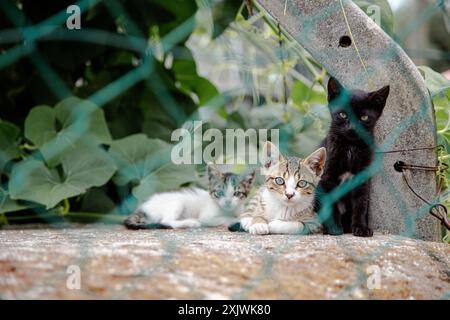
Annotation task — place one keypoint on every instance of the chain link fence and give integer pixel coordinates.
(93, 92)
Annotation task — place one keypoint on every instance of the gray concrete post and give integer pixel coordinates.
(371, 61)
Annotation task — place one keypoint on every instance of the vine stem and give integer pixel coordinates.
(114, 218)
(3, 219)
(66, 207)
(283, 67)
(354, 41)
(274, 28)
(27, 146)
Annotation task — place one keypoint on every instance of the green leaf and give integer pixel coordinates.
(191, 83)
(165, 107)
(224, 12)
(442, 99)
(8, 205)
(370, 8)
(167, 15)
(80, 170)
(60, 129)
(302, 94)
(443, 119)
(96, 200)
(436, 82)
(146, 163)
(9, 143)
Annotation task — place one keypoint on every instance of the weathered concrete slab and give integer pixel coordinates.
(215, 263)
(408, 119)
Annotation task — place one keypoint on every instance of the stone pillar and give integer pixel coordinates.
(371, 61)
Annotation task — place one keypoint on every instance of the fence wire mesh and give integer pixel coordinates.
(96, 156)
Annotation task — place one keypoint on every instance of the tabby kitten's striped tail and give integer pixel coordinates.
(139, 221)
(136, 221)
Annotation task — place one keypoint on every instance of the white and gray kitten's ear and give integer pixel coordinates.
(271, 156)
(214, 174)
(248, 180)
(316, 161)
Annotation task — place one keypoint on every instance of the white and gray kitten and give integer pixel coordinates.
(194, 207)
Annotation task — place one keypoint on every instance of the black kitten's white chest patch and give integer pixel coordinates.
(345, 176)
(351, 153)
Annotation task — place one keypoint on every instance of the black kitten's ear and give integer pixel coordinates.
(334, 89)
(379, 98)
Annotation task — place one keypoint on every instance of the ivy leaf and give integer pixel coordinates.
(224, 12)
(371, 7)
(96, 200)
(147, 164)
(58, 130)
(436, 83)
(164, 106)
(9, 143)
(302, 94)
(79, 170)
(185, 72)
(167, 15)
(8, 205)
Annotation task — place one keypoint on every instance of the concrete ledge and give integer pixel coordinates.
(215, 263)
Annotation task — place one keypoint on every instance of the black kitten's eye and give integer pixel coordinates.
(343, 115)
(364, 118)
(302, 184)
(279, 181)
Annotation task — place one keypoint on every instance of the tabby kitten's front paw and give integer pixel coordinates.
(259, 228)
(246, 223)
(362, 232)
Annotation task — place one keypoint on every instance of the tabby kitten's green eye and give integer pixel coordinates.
(279, 181)
(216, 194)
(302, 184)
(238, 194)
(343, 115)
(365, 118)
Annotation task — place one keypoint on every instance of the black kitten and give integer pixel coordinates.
(349, 145)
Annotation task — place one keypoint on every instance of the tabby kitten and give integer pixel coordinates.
(349, 154)
(284, 204)
(193, 208)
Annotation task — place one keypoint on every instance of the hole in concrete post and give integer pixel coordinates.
(345, 41)
(398, 166)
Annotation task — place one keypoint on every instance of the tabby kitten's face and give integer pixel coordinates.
(350, 107)
(229, 190)
(293, 180)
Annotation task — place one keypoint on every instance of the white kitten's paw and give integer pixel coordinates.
(276, 226)
(259, 228)
(245, 223)
(285, 227)
(183, 224)
(193, 224)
